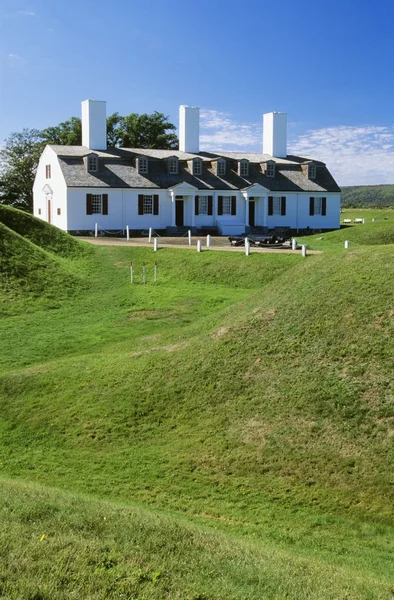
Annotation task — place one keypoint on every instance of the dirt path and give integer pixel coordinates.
(217, 243)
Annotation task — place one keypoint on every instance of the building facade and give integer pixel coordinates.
(78, 186)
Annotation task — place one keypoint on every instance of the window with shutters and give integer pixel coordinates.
(243, 168)
(142, 165)
(147, 207)
(173, 165)
(220, 167)
(203, 205)
(92, 164)
(227, 205)
(317, 206)
(312, 171)
(47, 171)
(270, 169)
(97, 204)
(197, 166)
(276, 205)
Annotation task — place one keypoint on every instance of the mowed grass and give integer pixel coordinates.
(252, 396)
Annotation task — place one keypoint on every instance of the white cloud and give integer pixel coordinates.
(14, 57)
(355, 155)
(27, 13)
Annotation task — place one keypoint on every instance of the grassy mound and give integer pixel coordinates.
(42, 234)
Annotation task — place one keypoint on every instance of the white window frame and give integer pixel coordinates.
(311, 171)
(226, 205)
(97, 204)
(147, 204)
(173, 165)
(203, 205)
(142, 165)
(92, 164)
(197, 167)
(244, 168)
(276, 205)
(270, 169)
(220, 168)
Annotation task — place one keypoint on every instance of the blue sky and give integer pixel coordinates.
(327, 63)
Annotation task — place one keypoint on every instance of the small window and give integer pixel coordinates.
(270, 169)
(197, 167)
(92, 164)
(48, 171)
(312, 171)
(39, 211)
(148, 205)
(203, 205)
(220, 168)
(276, 205)
(97, 204)
(173, 166)
(58, 211)
(244, 168)
(227, 205)
(142, 165)
(317, 206)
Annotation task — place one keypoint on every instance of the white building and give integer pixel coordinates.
(78, 186)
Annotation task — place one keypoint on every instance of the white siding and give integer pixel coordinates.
(59, 191)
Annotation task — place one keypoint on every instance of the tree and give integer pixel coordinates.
(18, 163)
(144, 131)
(67, 133)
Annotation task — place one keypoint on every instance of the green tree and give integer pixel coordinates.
(18, 163)
(145, 131)
(67, 133)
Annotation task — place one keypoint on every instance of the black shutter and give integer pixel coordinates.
(270, 206)
(311, 206)
(105, 204)
(324, 206)
(196, 205)
(220, 205)
(155, 204)
(210, 205)
(140, 204)
(283, 206)
(233, 205)
(89, 208)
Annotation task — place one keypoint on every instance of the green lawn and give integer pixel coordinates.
(233, 422)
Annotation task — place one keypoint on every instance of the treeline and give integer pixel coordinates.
(368, 196)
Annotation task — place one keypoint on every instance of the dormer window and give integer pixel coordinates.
(270, 169)
(220, 167)
(173, 165)
(243, 168)
(92, 163)
(142, 165)
(311, 171)
(197, 166)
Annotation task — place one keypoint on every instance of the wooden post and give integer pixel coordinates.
(303, 250)
(247, 247)
(155, 243)
(150, 234)
(346, 244)
(189, 235)
(198, 245)
(208, 241)
(96, 230)
(294, 244)
(127, 233)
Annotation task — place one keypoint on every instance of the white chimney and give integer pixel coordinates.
(189, 129)
(94, 124)
(275, 134)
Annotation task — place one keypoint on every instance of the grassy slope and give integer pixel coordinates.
(235, 391)
(368, 196)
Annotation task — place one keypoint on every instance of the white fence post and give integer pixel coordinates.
(96, 230)
(303, 251)
(127, 233)
(294, 244)
(189, 235)
(208, 241)
(247, 247)
(198, 245)
(346, 244)
(150, 234)
(155, 245)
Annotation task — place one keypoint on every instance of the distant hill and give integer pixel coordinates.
(368, 196)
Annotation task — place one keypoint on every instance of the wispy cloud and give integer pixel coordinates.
(219, 131)
(354, 154)
(27, 13)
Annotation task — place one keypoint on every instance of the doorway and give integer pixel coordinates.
(251, 213)
(179, 210)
